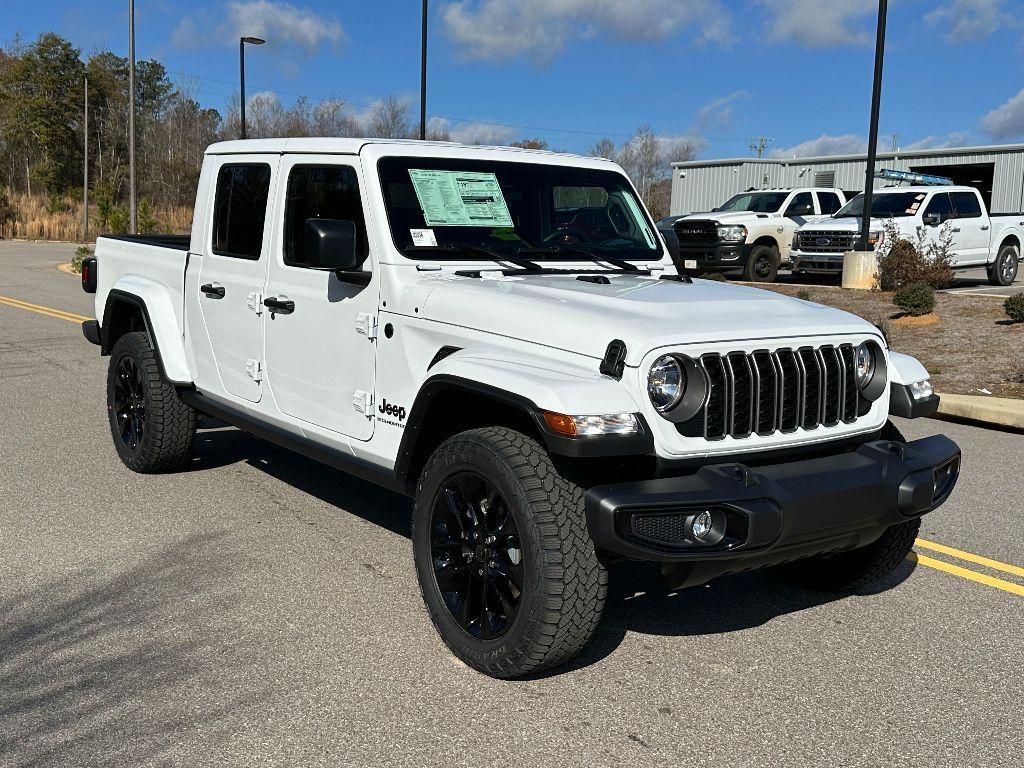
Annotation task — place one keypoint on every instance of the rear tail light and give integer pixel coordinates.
(89, 274)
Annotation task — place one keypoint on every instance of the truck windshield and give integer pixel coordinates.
(465, 208)
(884, 204)
(755, 202)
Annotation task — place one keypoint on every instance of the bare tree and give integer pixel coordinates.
(389, 119)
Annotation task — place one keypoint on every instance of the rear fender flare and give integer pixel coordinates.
(157, 308)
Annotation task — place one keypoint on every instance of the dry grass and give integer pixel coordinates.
(972, 347)
(35, 219)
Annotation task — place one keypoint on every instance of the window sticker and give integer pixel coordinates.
(460, 198)
(423, 237)
(639, 217)
(919, 197)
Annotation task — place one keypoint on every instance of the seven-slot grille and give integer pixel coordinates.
(764, 392)
(825, 241)
(696, 231)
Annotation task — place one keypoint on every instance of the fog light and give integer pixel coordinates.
(707, 527)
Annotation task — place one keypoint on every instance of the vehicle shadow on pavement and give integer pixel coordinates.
(103, 670)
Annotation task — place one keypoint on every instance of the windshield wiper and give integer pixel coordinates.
(479, 250)
(620, 264)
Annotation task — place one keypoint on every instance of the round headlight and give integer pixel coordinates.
(865, 365)
(666, 383)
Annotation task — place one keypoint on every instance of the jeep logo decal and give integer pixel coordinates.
(390, 409)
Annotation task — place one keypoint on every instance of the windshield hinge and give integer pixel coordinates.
(366, 324)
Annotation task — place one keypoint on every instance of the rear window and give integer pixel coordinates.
(967, 205)
(829, 201)
(240, 210)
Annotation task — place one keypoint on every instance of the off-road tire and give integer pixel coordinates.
(762, 264)
(565, 583)
(1003, 271)
(170, 424)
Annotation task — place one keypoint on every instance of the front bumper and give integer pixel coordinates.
(818, 263)
(713, 256)
(774, 513)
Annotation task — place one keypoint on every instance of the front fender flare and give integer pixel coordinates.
(157, 307)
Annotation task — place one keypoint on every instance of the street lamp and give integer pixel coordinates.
(241, 66)
(876, 97)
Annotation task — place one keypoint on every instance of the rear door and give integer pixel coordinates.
(974, 228)
(321, 355)
(233, 274)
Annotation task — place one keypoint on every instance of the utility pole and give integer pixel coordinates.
(85, 168)
(759, 145)
(876, 99)
(895, 142)
(132, 201)
(241, 75)
(423, 75)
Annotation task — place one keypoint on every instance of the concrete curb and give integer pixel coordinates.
(997, 411)
(66, 268)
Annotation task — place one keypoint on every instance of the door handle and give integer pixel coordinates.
(280, 306)
(212, 290)
(955, 229)
(984, 227)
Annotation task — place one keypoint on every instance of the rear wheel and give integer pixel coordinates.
(152, 428)
(1003, 271)
(762, 264)
(506, 567)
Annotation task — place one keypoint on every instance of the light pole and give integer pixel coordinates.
(85, 168)
(876, 98)
(423, 75)
(132, 201)
(241, 72)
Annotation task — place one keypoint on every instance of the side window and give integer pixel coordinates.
(802, 205)
(240, 210)
(967, 205)
(829, 202)
(941, 205)
(321, 192)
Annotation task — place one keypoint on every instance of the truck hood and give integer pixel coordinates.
(731, 217)
(845, 224)
(646, 313)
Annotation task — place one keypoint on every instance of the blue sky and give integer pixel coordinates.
(571, 71)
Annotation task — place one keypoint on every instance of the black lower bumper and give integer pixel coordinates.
(774, 513)
(713, 256)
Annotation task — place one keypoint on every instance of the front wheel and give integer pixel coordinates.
(762, 264)
(506, 567)
(1003, 271)
(152, 428)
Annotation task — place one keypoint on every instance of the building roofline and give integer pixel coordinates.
(982, 149)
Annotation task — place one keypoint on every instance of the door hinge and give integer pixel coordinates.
(254, 301)
(366, 324)
(362, 401)
(254, 370)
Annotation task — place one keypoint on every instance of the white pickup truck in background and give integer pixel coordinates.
(979, 239)
(751, 231)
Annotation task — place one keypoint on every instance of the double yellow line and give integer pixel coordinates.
(932, 562)
(968, 573)
(60, 314)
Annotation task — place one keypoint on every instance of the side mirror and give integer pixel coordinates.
(332, 244)
(933, 219)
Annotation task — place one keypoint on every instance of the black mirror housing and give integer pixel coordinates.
(932, 219)
(332, 244)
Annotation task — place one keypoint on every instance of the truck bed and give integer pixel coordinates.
(177, 242)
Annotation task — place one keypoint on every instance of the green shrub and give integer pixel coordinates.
(82, 252)
(915, 299)
(118, 220)
(148, 225)
(924, 261)
(1014, 307)
(804, 295)
(718, 277)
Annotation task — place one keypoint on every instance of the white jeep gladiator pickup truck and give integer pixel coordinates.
(498, 333)
(977, 238)
(751, 231)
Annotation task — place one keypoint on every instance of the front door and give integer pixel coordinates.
(233, 272)
(321, 354)
(942, 205)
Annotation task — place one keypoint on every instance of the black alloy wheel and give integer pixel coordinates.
(129, 403)
(476, 555)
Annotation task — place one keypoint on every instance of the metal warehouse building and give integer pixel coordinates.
(997, 171)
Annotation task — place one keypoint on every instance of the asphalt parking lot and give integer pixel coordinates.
(969, 281)
(258, 609)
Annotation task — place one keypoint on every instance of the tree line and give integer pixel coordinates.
(42, 141)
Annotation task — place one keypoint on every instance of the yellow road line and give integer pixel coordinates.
(967, 573)
(49, 311)
(970, 557)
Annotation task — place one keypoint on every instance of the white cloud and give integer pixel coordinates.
(954, 139)
(472, 132)
(968, 20)
(539, 29)
(1007, 120)
(815, 24)
(717, 114)
(846, 144)
(288, 29)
